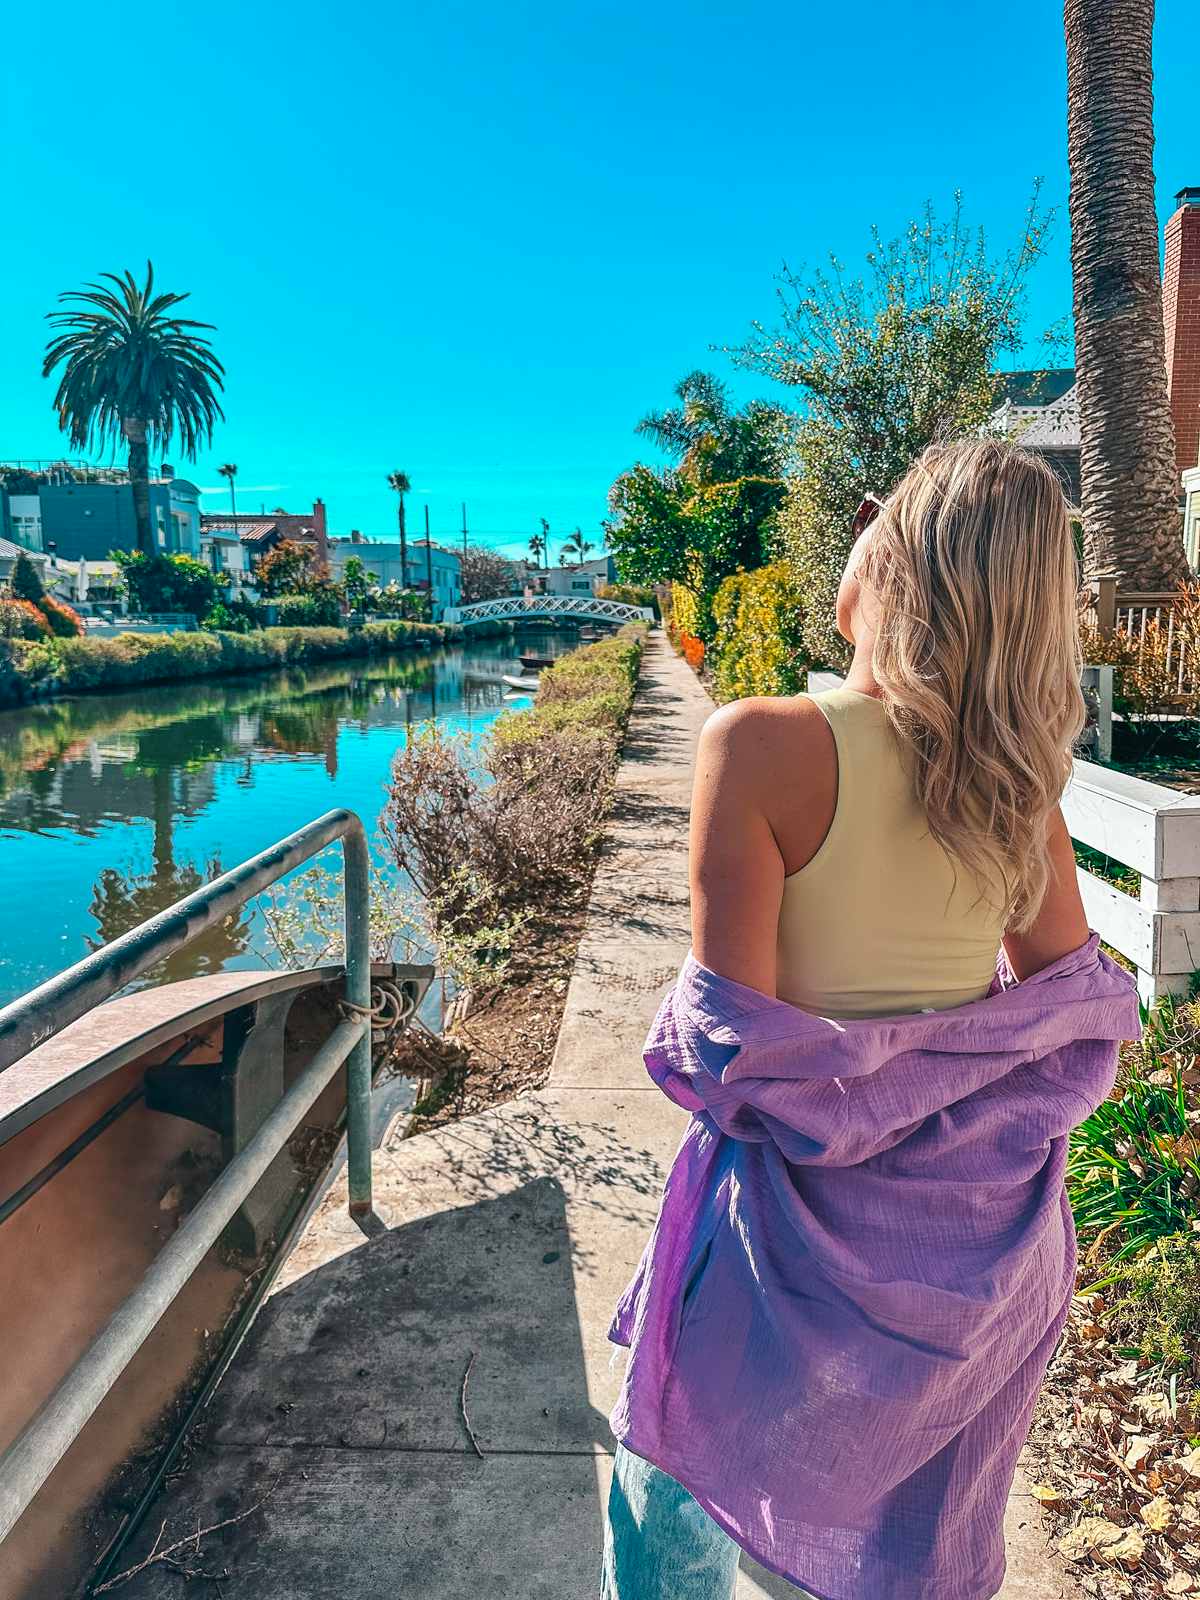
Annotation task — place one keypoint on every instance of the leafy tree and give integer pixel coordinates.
(484, 575)
(357, 583)
(133, 371)
(667, 530)
(711, 513)
(1127, 458)
(26, 582)
(886, 364)
(158, 583)
(286, 569)
(710, 442)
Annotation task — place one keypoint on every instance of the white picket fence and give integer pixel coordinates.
(1155, 832)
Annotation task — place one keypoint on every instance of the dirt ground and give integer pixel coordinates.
(505, 1043)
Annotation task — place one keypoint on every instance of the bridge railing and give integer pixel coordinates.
(45, 1011)
(589, 607)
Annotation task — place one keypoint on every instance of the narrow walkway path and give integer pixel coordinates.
(511, 1235)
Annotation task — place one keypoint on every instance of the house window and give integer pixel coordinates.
(27, 531)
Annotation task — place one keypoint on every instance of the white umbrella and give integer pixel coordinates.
(81, 580)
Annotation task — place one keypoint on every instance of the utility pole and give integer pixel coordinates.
(464, 512)
(429, 563)
(545, 542)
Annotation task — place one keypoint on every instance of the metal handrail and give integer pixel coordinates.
(45, 1011)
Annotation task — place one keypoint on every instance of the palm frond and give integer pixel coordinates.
(125, 359)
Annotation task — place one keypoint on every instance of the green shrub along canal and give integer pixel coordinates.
(114, 805)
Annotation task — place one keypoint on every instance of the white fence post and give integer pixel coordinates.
(1156, 832)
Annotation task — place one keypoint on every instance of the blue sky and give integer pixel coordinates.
(479, 242)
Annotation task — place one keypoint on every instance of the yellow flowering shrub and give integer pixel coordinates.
(759, 646)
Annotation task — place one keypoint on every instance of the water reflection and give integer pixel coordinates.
(112, 806)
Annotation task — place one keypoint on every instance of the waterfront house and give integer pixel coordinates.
(425, 560)
(224, 550)
(580, 577)
(82, 511)
(260, 532)
(1040, 412)
(11, 553)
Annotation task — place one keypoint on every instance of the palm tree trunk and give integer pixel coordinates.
(139, 479)
(403, 547)
(1131, 517)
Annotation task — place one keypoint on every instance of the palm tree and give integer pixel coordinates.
(402, 484)
(229, 472)
(576, 545)
(714, 444)
(1130, 487)
(537, 547)
(133, 371)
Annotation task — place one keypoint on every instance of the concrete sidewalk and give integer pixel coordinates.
(512, 1233)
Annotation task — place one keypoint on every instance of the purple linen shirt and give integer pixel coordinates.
(861, 1266)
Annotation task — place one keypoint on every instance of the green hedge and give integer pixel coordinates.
(588, 692)
(29, 669)
(759, 642)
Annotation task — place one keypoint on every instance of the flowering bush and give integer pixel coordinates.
(21, 619)
(759, 644)
(64, 621)
(1158, 667)
(683, 621)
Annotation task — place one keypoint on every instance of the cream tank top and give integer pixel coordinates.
(880, 920)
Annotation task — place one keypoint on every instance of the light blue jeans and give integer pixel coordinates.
(660, 1543)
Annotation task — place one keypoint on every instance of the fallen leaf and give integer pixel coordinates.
(1045, 1495)
(1138, 1451)
(1158, 1514)
(1087, 1537)
(1178, 1583)
(1128, 1549)
(1191, 1462)
(172, 1199)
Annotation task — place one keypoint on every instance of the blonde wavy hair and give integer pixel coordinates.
(976, 651)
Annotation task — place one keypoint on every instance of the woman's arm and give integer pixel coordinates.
(1060, 926)
(735, 867)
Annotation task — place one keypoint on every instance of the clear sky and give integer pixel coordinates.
(479, 242)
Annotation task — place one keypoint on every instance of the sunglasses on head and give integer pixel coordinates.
(868, 509)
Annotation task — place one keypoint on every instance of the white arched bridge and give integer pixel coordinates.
(574, 607)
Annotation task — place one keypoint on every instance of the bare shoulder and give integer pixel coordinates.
(763, 730)
(776, 759)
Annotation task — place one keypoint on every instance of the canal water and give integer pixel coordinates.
(112, 806)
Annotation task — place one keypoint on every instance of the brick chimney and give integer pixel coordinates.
(320, 533)
(1181, 322)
